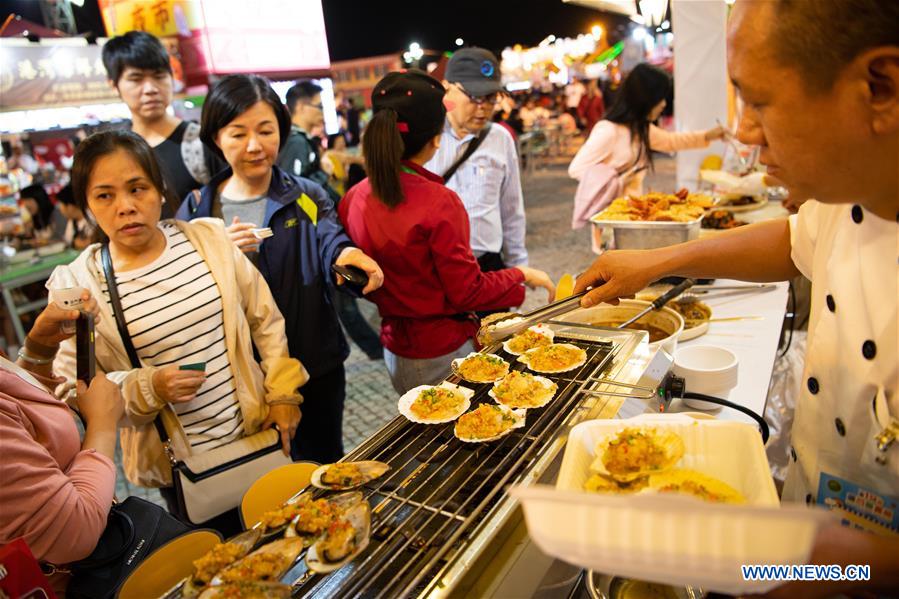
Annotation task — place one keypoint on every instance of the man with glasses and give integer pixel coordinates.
(301, 154)
(487, 179)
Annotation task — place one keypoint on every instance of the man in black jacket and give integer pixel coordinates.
(301, 155)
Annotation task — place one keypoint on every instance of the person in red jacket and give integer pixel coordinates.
(417, 229)
(591, 108)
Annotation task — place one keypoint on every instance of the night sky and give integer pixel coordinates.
(358, 28)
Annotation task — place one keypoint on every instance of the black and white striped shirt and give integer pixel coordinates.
(173, 310)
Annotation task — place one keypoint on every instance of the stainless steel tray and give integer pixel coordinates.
(643, 235)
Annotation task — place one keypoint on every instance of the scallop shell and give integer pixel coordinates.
(598, 483)
(287, 549)
(245, 540)
(677, 478)
(405, 403)
(526, 359)
(369, 471)
(550, 387)
(359, 517)
(668, 442)
(458, 362)
(248, 590)
(341, 501)
(540, 329)
(294, 501)
(519, 420)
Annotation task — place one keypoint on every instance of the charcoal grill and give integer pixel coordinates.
(434, 511)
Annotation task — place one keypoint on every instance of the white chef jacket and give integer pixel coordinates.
(849, 392)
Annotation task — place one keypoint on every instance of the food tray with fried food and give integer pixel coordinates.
(692, 515)
(654, 207)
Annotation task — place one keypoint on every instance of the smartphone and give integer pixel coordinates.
(85, 365)
(352, 275)
(199, 367)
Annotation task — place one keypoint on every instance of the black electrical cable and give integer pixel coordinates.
(792, 320)
(763, 426)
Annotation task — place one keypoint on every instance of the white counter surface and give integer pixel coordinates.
(753, 341)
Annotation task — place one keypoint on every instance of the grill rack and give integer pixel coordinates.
(440, 490)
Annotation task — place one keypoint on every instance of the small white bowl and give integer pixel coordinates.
(706, 369)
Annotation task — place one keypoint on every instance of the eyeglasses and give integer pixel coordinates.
(488, 99)
(318, 106)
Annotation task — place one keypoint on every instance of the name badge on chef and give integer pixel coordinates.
(859, 507)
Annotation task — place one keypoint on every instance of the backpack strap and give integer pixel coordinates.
(192, 154)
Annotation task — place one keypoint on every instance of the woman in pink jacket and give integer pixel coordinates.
(55, 489)
(625, 139)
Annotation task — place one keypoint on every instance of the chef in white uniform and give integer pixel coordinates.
(820, 85)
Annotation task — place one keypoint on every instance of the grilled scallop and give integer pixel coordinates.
(347, 475)
(267, 564)
(637, 452)
(345, 538)
(219, 557)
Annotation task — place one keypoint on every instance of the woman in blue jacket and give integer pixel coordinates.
(245, 122)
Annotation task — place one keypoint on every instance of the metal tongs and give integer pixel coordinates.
(496, 331)
(660, 301)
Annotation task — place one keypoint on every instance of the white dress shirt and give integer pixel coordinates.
(849, 392)
(489, 184)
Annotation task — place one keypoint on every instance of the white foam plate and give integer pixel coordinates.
(458, 361)
(525, 358)
(519, 416)
(666, 538)
(409, 397)
(540, 329)
(547, 384)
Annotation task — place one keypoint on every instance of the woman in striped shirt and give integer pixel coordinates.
(194, 307)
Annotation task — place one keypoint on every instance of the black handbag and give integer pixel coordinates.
(134, 529)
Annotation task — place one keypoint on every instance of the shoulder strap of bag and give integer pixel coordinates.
(192, 154)
(472, 146)
(119, 313)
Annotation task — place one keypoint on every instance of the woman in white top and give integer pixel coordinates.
(626, 137)
(189, 298)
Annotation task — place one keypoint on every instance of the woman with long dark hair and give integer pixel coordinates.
(245, 123)
(626, 137)
(194, 308)
(417, 229)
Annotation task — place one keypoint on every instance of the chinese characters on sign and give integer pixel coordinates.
(47, 75)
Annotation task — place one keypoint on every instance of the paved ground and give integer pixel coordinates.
(553, 247)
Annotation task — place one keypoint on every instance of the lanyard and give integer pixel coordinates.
(406, 169)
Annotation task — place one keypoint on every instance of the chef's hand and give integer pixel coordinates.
(177, 386)
(47, 329)
(616, 274)
(836, 544)
(355, 257)
(534, 278)
(241, 235)
(286, 417)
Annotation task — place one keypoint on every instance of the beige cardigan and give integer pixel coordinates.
(250, 317)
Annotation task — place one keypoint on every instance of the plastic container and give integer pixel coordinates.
(644, 235)
(706, 369)
(668, 538)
